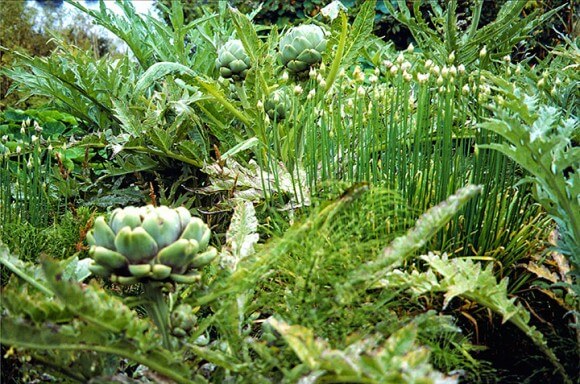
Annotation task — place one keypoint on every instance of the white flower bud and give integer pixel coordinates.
(428, 64)
(461, 68)
(410, 48)
(435, 70)
(451, 57)
(298, 90)
(507, 58)
(394, 70)
(260, 105)
(342, 73)
(422, 77)
(312, 73)
(18, 149)
(465, 89)
(400, 58)
(358, 75)
(541, 82)
(406, 66)
(360, 91)
(322, 83)
(388, 64)
(407, 76)
(483, 52)
(440, 80)
(311, 94)
(453, 70)
(29, 164)
(285, 76)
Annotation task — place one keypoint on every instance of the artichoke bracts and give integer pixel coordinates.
(278, 104)
(302, 47)
(232, 60)
(150, 243)
(183, 320)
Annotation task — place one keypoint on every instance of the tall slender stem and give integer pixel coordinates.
(158, 310)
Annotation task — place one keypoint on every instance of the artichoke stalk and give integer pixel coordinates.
(302, 47)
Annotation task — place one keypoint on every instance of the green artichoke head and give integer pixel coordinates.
(233, 61)
(183, 320)
(150, 243)
(278, 104)
(302, 47)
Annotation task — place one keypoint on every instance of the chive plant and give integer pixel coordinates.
(409, 125)
(24, 180)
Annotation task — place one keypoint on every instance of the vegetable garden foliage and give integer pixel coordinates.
(391, 184)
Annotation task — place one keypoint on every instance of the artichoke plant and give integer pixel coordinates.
(278, 104)
(232, 60)
(141, 244)
(302, 47)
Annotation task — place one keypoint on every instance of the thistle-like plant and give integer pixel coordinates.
(151, 245)
(544, 143)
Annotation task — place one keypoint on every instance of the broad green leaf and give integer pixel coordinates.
(302, 342)
(370, 360)
(161, 139)
(241, 236)
(32, 274)
(158, 71)
(464, 277)
(417, 237)
(240, 147)
(246, 33)
(362, 28)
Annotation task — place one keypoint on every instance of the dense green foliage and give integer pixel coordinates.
(340, 210)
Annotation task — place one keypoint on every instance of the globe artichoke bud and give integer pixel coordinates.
(302, 47)
(232, 60)
(150, 243)
(182, 320)
(278, 104)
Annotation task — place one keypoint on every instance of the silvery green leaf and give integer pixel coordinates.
(241, 236)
